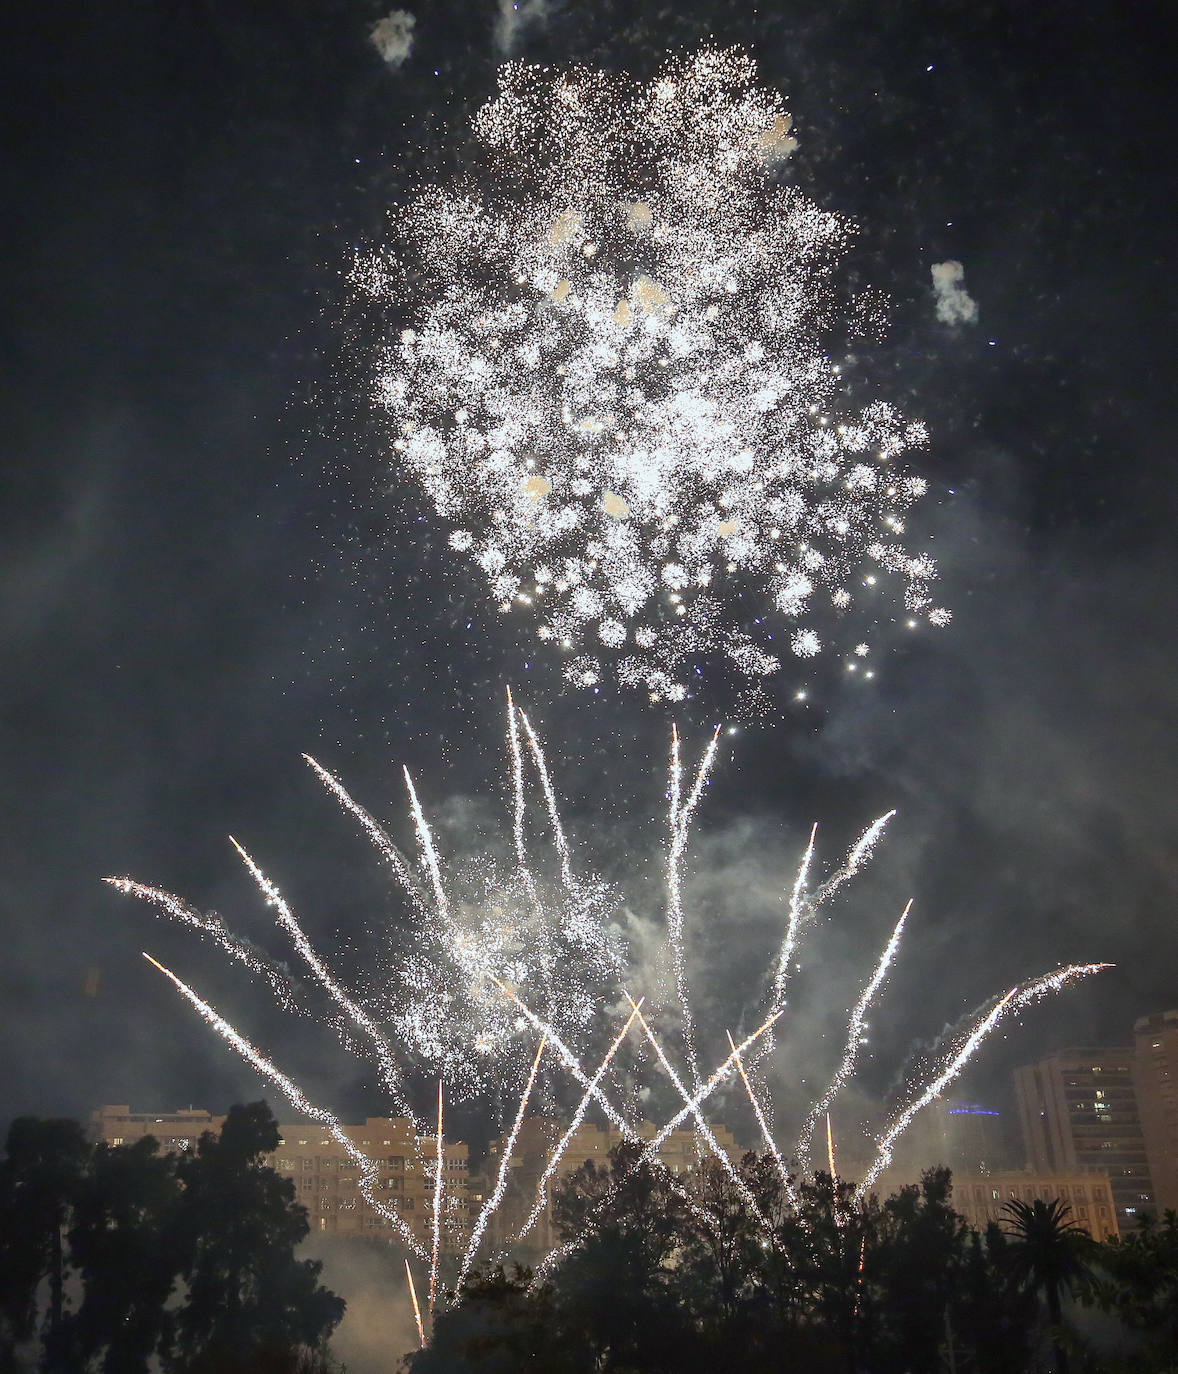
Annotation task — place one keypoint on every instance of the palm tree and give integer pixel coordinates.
(1046, 1251)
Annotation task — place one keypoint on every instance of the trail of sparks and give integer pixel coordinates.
(389, 1069)
(298, 1099)
(855, 1032)
(680, 821)
(558, 835)
(568, 1058)
(830, 1150)
(857, 856)
(1019, 996)
(416, 1308)
(705, 1131)
(794, 920)
(574, 1125)
(714, 1082)
(426, 841)
(759, 1113)
(209, 924)
(437, 1227)
(375, 832)
(495, 1197)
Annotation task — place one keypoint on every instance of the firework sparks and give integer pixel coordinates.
(298, 1099)
(856, 1028)
(617, 388)
(591, 1091)
(496, 972)
(440, 1162)
(495, 1197)
(390, 1071)
(416, 1308)
(1021, 995)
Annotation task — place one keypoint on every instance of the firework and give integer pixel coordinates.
(416, 1308)
(611, 377)
(570, 1015)
(856, 1028)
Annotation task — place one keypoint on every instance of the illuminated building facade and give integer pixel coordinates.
(1157, 1098)
(1079, 1112)
(325, 1178)
(980, 1199)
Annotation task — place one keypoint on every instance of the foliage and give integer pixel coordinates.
(184, 1259)
(745, 1268)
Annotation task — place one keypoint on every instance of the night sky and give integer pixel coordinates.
(209, 564)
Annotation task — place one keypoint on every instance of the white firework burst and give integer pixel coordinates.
(614, 383)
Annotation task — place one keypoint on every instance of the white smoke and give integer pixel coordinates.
(392, 36)
(954, 303)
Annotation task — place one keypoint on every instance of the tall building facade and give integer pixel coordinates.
(1157, 1096)
(325, 1176)
(1079, 1111)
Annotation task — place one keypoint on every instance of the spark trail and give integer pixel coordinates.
(496, 968)
(298, 1099)
(617, 386)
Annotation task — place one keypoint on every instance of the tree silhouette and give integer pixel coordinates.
(1047, 1252)
(237, 1225)
(40, 1178)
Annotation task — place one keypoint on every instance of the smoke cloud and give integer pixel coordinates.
(392, 37)
(954, 303)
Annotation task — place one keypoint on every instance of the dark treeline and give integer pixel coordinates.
(114, 1256)
(674, 1275)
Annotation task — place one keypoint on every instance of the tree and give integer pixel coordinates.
(249, 1302)
(40, 1180)
(123, 1243)
(1137, 1279)
(614, 1292)
(501, 1325)
(1047, 1251)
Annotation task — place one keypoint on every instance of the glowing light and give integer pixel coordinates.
(617, 370)
(416, 1308)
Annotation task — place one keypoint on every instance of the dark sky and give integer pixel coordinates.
(208, 564)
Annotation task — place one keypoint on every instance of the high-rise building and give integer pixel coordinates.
(1079, 1111)
(1157, 1096)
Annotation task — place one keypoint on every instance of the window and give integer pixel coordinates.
(118, 1140)
(308, 1163)
(287, 1164)
(398, 1161)
(407, 1204)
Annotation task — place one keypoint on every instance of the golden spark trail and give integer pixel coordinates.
(766, 1133)
(496, 1196)
(705, 1131)
(1018, 996)
(570, 1060)
(855, 1031)
(390, 1070)
(437, 1238)
(297, 1099)
(574, 1125)
(416, 1309)
(830, 1149)
(714, 1082)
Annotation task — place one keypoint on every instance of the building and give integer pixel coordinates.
(1079, 1113)
(981, 1198)
(1157, 1098)
(965, 1136)
(529, 1159)
(325, 1174)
